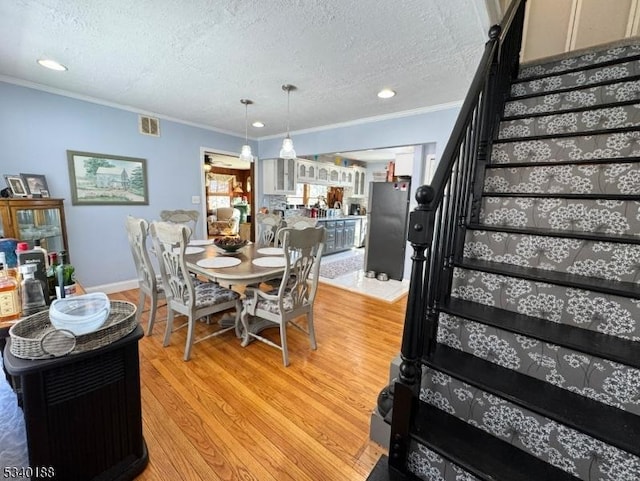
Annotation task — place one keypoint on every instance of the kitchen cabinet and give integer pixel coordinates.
(307, 171)
(340, 234)
(359, 184)
(334, 174)
(279, 176)
(322, 176)
(31, 219)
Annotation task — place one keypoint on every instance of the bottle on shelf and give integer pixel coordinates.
(31, 291)
(36, 257)
(9, 298)
(65, 276)
(37, 246)
(52, 282)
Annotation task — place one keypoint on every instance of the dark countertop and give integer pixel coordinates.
(344, 217)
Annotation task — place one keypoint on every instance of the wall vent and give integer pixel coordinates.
(149, 125)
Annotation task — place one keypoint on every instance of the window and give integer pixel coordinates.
(219, 190)
(307, 194)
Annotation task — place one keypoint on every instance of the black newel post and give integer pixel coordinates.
(420, 234)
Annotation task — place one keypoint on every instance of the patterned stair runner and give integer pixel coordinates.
(538, 353)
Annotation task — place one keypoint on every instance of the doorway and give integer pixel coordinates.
(229, 182)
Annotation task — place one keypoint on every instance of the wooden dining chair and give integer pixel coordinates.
(295, 295)
(185, 294)
(180, 216)
(149, 283)
(268, 224)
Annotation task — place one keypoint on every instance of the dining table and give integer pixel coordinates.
(250, 265)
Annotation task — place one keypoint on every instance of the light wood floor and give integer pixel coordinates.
(234, 413)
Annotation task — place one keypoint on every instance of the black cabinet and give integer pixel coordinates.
(83, 412)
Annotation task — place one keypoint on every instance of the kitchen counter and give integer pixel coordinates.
(343, 233)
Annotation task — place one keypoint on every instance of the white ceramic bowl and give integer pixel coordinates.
(80, 314)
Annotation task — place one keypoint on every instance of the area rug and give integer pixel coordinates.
(333, 269)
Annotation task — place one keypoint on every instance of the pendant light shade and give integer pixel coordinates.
(245, 153)
(287, 151)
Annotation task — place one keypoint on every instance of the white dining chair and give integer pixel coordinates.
(149, 283)
(295, 295)
(180, 216)
(185, 294)
(268, 224)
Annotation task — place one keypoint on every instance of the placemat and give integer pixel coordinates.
(189, 250)
(201, 242)
(218, 262)
(270, 262)
(271, 251)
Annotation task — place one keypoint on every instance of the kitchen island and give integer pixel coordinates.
(343, 233)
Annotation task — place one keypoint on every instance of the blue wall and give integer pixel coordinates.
(37, 128)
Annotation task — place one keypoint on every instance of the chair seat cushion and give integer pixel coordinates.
(272, 306)
(210, 293)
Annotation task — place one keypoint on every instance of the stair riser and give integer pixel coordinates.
(603, 260)
(590, 97)
(585, 121)
(588, 215)
(586, 60)
(574, 149)
(603, 179)
(616, 316)
(581, 455)
(611, 74)
(599, 379)
(430, 466)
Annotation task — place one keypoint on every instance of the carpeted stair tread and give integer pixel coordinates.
(554, 195)
(564, 135)
(592, 236)
(616, 160)
(575, 61)
(593, 76)
(586, 119)
(606, 423)
(595, 343)
(478, 452)
(616, 288)
(572, 110)
(616, 93)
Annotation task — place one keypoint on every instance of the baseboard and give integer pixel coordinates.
(113, 287)
(379, 430)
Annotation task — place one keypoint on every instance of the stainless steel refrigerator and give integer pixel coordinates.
(387, 230)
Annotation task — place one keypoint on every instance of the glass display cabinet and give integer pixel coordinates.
(31, 219)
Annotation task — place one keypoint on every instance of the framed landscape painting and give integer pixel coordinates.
(100, 179)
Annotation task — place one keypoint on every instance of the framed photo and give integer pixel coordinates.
(102, 179)
(35, 183)
(16, 185)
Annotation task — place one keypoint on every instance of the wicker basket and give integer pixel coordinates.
(35, 338)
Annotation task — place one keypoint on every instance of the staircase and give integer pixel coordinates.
(534, 369)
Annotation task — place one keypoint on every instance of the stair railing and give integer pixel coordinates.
(437, 225)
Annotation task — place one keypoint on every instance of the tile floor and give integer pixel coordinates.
(389, 291)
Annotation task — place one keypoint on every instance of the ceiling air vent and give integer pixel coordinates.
(149, 125)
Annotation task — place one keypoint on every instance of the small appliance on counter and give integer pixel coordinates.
(354, 209)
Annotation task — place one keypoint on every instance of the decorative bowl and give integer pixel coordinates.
(229, 244)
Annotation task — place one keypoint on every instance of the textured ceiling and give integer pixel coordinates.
(193, 60)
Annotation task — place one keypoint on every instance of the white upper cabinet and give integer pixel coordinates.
(279, 176)
(307, 171)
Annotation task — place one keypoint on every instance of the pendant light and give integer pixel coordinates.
(245, 153)
(287, 151)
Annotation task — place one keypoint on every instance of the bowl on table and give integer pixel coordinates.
(230, 244)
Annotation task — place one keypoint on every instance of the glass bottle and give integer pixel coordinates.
(65, 277)
(31, 291)
(9, 298)
(51, 274)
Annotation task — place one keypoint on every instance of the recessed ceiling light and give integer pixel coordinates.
(386, 93)
(258, 124)
(52, 64)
